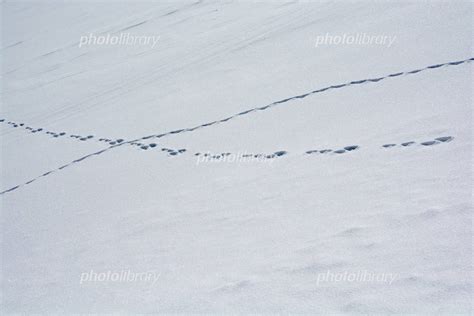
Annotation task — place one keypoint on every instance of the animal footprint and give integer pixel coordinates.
(430, 143)
(445, 139)
(351, 148)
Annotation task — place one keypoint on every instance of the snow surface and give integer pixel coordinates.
(248, 236)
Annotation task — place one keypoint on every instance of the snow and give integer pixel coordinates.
(223, 236)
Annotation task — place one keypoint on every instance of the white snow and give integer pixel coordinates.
(237, 237)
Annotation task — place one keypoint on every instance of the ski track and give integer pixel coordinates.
(246, 112)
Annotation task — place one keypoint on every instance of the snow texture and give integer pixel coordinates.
(236, 165)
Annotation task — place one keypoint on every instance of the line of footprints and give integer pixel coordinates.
(439, 140)
(346, 149)
(171, 152)
(176, 152)
(61, 134)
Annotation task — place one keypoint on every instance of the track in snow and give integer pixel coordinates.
(261, 108)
